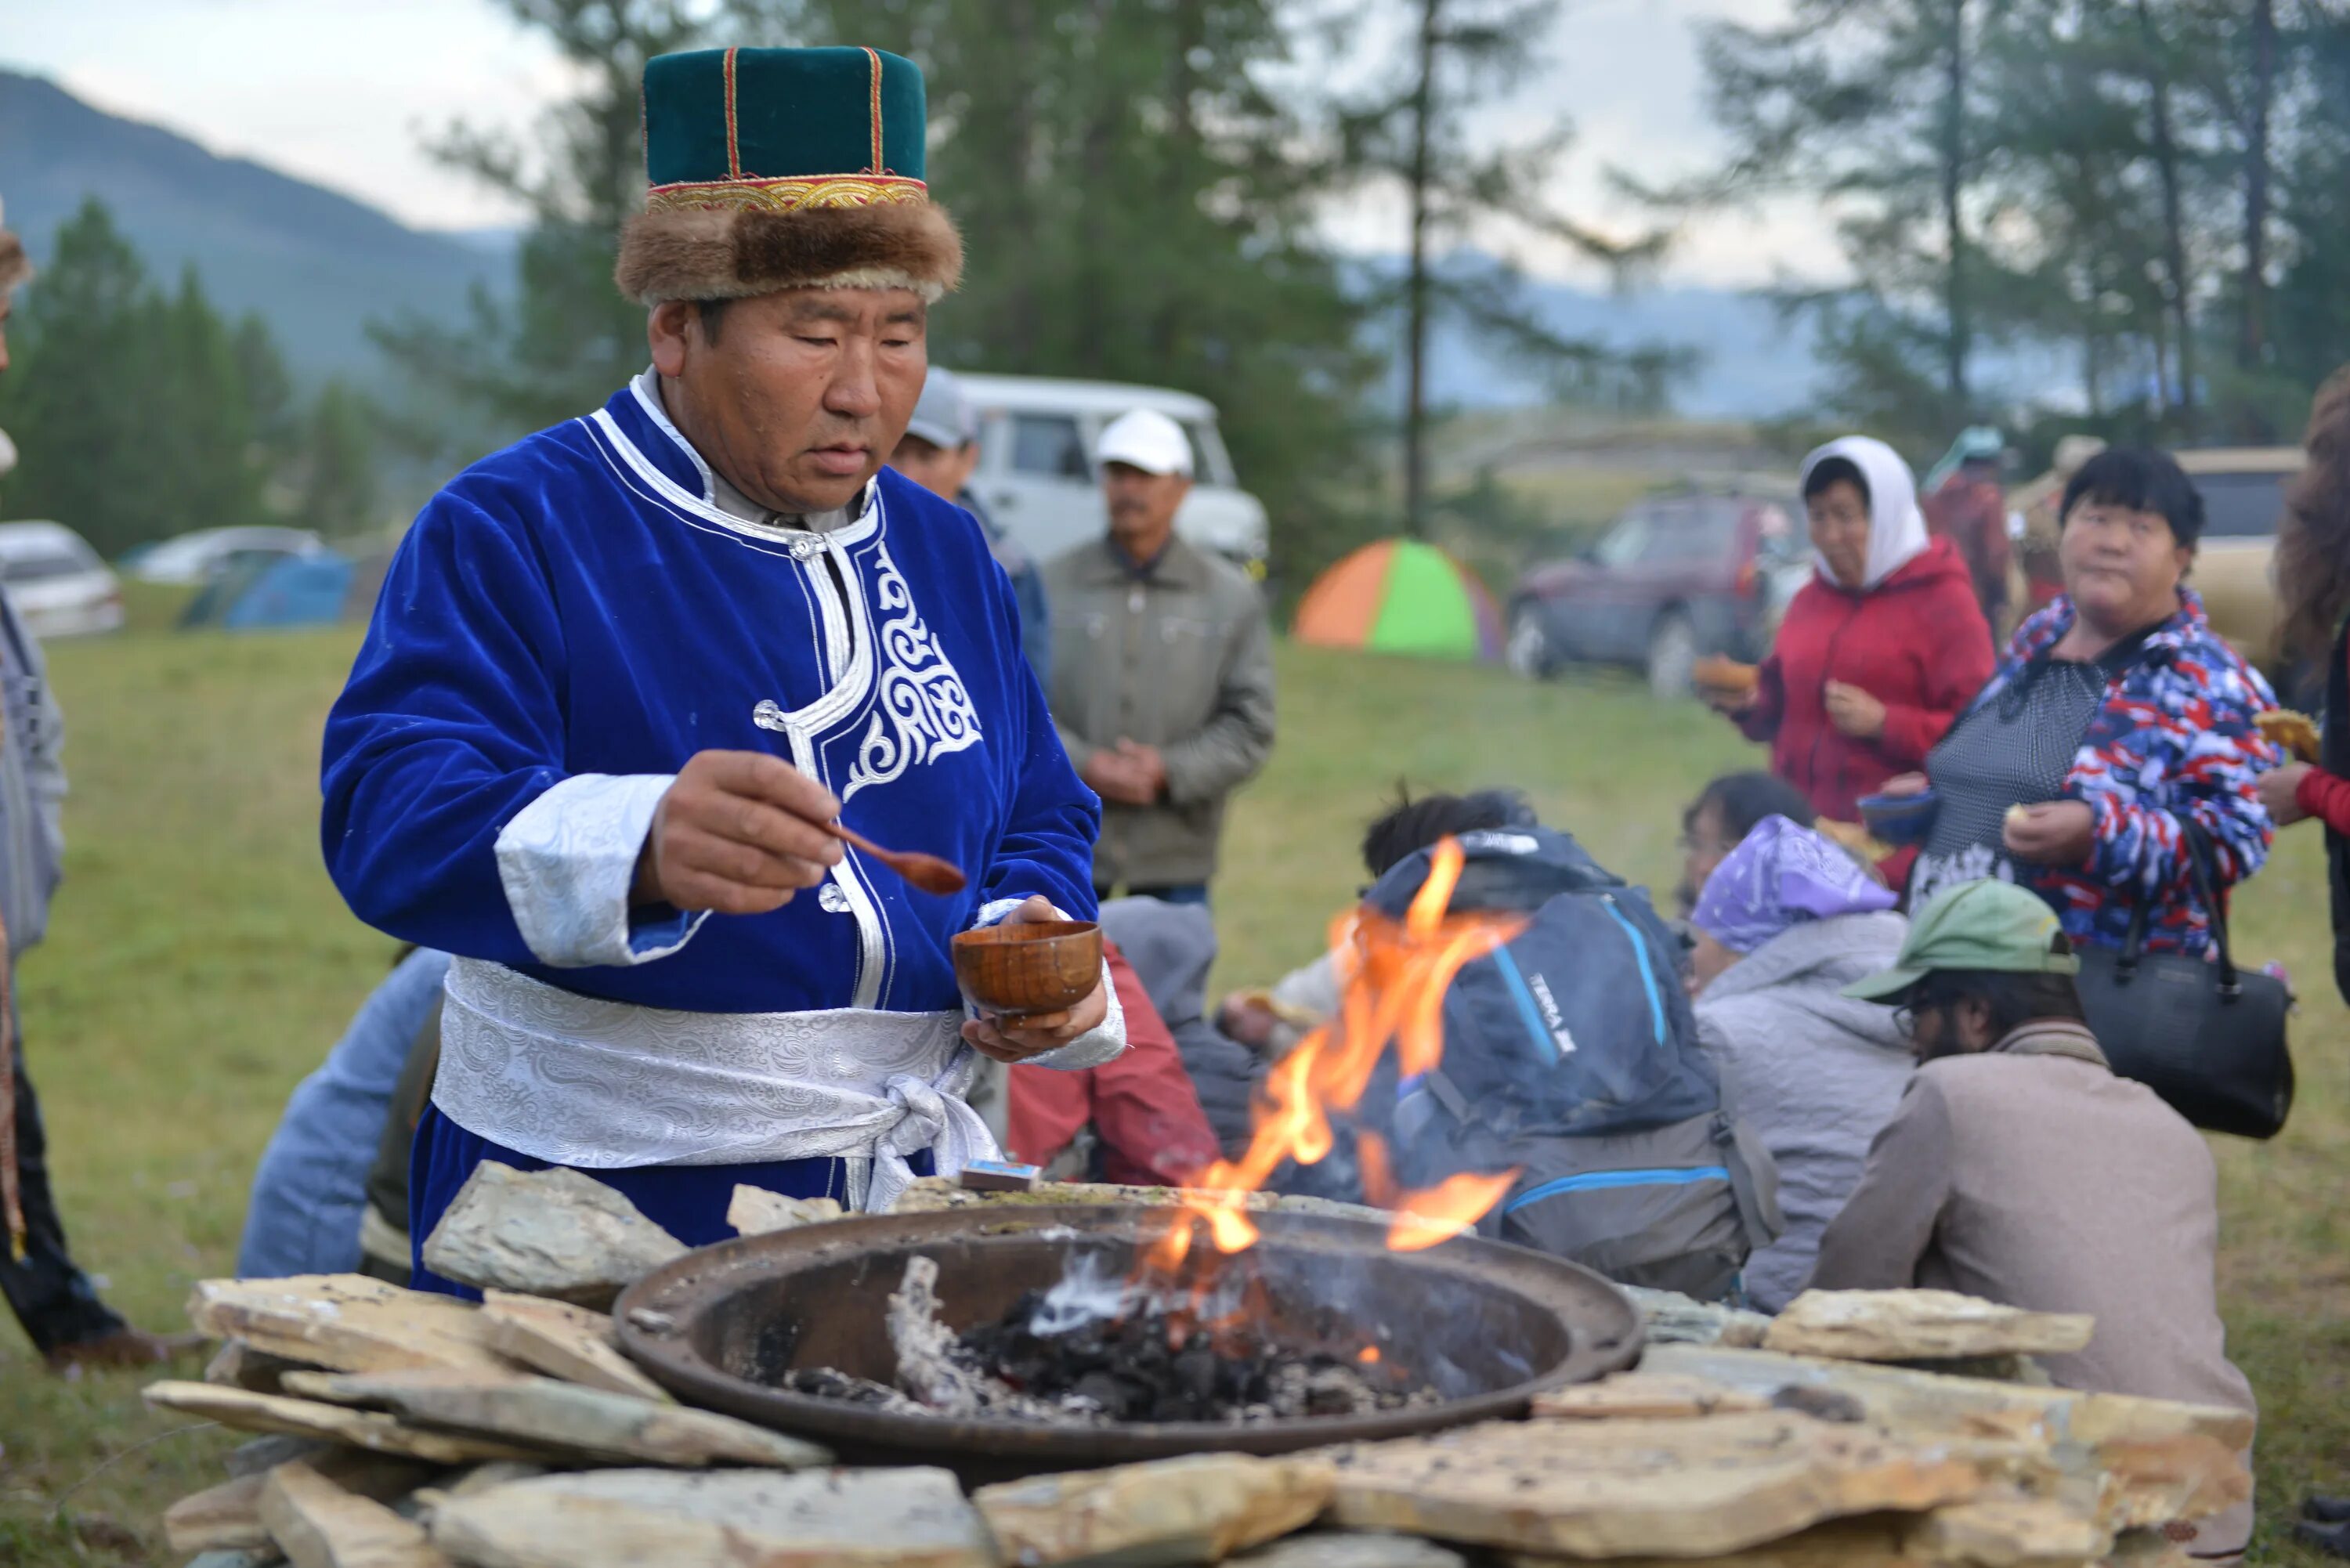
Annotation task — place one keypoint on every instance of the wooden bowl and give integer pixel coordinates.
(1023, 970)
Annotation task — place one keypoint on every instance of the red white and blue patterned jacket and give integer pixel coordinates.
(2175, 737)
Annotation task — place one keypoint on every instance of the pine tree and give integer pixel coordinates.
(205, 468)
(337, 493)
(1876, 107)
(568, 338)
(1410, 131)
(78, 399)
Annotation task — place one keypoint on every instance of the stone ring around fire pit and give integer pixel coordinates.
(1487, 1325)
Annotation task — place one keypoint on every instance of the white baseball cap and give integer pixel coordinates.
(1147, 440)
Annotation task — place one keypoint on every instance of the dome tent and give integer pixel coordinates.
(1401, 595)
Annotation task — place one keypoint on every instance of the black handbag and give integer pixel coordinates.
(2207, 1038)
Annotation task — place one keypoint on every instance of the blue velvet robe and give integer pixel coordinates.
(576, 604)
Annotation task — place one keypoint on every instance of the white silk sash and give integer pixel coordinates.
(599, 1085)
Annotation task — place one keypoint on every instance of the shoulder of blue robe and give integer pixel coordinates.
(484, 688)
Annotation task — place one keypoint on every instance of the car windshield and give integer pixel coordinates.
(41, 568)
(1622, 545)
(2241, 505)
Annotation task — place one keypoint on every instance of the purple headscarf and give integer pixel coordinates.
(1778, 876)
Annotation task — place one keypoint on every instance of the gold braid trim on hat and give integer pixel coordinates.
(788, 195)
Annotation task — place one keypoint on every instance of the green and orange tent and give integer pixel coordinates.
(1401, 595)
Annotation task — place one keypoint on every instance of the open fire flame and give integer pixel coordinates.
(1395, 975)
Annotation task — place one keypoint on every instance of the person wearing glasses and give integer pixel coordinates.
(2020, 1169)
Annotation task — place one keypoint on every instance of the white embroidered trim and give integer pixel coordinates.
(921, 711)
(567, 862)
(602, 1086)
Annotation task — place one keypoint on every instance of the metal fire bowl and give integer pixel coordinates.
(1488, 1323)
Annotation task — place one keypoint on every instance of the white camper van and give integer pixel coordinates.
(1037, 472)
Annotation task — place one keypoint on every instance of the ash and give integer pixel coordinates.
(1096, 1352)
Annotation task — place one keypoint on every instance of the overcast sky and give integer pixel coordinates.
(339, 92)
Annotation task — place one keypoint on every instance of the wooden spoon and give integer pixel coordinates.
(927, 872)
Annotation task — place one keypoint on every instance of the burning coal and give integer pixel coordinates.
(1394, 976)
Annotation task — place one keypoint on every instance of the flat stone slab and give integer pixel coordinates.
(1668, 1317)
(224, 1518)
(346, 1323)
(317, 1524)
(550, 1232)
(543, 1414)
(573, 1343)
(2161, 1460)
(1350, 1548)
(755, 1211)
(228, 1517)
(1920, 1325)
(251, 1412)
(1651, 1395)
(930, 1194)
(1200, 1508)
(1630, 1488)
(913, 1517)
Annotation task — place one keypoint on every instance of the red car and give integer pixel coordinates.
(1676, 577)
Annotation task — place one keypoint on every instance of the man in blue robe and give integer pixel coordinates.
(623, 673)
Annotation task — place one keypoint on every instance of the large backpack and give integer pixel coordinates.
(1571, 1054)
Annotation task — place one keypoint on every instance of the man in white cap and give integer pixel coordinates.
(938, 452)
(1162, 683)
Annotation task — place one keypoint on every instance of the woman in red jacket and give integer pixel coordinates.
(1879, 652)
(2313, 574)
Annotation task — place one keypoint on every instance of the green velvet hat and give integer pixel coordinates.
(776, 169)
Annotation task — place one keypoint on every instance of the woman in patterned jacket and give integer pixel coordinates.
(2117, 728)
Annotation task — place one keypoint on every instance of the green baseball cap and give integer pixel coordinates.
(1979, 926)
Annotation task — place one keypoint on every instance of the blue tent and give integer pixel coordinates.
(276, 591)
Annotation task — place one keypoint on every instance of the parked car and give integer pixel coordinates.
(55, 581)
(200, 557)
(1676, 577)
(1037, 475)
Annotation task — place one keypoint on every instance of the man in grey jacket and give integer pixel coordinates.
(2019, 1168)
(51, 1297)
(1162, 672)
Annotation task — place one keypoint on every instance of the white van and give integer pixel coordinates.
(1036, 474)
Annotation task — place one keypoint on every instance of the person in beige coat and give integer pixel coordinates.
(2019, 1168)
(1162, 672)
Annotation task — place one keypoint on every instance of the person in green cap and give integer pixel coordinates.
(2019, 1168)
(627, 674)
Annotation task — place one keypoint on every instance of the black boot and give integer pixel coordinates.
(2325, 1510)
(2328, 1538)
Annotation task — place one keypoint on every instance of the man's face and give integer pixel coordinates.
(1948, 1028)
(1142, 506)
(943, 470)
(801, 395)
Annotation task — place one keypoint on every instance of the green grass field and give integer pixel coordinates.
(200, 963)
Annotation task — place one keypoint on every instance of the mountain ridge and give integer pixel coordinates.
(314, 262)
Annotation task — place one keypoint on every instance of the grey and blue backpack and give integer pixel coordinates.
(1571, 1054)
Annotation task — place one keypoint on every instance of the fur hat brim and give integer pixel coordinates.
(16, 267)
(718, 252)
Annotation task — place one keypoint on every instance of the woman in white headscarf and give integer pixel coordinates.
(1879, 652)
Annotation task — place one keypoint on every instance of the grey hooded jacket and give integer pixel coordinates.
(1814, 1073)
